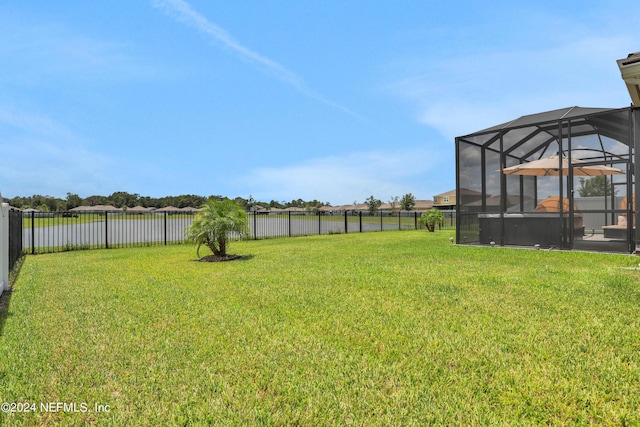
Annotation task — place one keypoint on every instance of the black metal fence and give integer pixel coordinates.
(64, 231)
(15, 237)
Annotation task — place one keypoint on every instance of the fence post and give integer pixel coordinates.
(165, 227)
(33, 232)
(360, 221)
(319, 224)
(346, 223)
(4, 247)
(106, 230)
(255, 226)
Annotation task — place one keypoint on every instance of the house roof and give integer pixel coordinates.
(95, 208)
(632, 58)
(448, 193)
(423, 204)
(138, 209)
(468, 192)
(630, 73)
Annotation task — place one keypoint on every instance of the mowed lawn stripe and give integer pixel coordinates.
(395, 328)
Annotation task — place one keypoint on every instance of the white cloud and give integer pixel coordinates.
(345, 179)
(42, 156)
(184, 13)
(458, 96)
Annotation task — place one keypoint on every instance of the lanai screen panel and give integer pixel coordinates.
(534, 147)
(469, 190)
(597, 136)
(492, 193)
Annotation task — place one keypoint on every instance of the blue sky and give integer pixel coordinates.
(327, 100)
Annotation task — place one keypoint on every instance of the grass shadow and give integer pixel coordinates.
(5, 298)
(238, 258)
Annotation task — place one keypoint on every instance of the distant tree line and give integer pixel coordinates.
(122, 199)
(119, 199)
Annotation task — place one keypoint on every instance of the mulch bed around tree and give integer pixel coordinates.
(215, 258)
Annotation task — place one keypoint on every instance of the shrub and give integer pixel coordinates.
(214, 223)
(431, 218)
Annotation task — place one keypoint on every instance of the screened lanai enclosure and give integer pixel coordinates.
(560, 179)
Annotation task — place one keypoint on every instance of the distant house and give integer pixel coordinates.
(423, 205)
(327, 209)
(420, 205)
(445, 200)
(96, 208)
(448, 200)
(276, 210)
(256, 208)
(386, 207)
(168, 209)
(138, 210)
(336, 210)
(36, 213)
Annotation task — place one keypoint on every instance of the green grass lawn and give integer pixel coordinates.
(37, 222)
(83, 218)
(396, 328)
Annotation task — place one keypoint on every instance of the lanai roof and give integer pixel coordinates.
(528, 134)
(545, 117)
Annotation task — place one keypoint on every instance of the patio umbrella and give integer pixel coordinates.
(549, 167)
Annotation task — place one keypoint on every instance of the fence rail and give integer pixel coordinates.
(63, 231)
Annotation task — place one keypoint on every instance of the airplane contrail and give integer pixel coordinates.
(182, 12)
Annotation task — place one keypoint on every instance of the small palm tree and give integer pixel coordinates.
(431, 218)
(214, 223)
